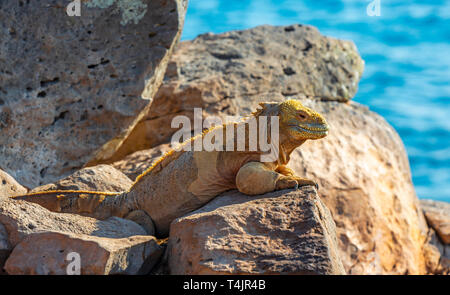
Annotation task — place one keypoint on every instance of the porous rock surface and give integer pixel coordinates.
(283, 232)
(364, 178)
(101, 178)
(21, 218)
(54, 253)
(438, 216)
(72, 87)
(9, 186)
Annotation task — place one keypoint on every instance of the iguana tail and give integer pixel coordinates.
(100, 205)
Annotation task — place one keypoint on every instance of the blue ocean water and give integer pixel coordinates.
(407, 54)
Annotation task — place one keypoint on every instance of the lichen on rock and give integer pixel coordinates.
(131, 10)
(83, 82)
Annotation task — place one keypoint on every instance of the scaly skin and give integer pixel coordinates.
(182, 181)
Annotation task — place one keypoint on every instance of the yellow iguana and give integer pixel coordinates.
(182, 181)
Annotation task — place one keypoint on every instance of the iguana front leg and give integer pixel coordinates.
(256, 178)
(282, 169)
(285, 170)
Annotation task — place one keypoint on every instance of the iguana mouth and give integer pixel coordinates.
(312, 128)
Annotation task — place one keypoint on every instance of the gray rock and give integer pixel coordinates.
(72, 88)
(228, 74)
(284, 232)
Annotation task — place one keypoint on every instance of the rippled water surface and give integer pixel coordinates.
(407, 54)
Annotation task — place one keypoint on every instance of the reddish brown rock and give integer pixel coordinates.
(9, 186)
(5, 248)
(438, 260)
(54, 253)
(364, 179)
(284, 232)
(21, 219)
(438, 216)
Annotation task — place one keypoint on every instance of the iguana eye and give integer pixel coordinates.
(302, 116)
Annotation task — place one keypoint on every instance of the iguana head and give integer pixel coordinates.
(300, 122)
(297, 122)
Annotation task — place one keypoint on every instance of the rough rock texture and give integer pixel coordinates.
(438, 216)
(73, 87)
(103, 178)
(227, 74)
(5, 248)
(438, 254)
(49, 253)
(9, 186)
(284, 232)
(364, 179)
(136, 163)
(162, 267)
(21, 219)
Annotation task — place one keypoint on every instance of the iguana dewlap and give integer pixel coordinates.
(182, 181)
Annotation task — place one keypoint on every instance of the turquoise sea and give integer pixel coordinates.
(407, 72)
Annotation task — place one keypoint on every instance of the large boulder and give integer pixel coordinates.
(284, 232)
(364, 177)
(54, 253)
(72, 88)
(20, 219)
(100, 178)
(228, 74)
(9, 187)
